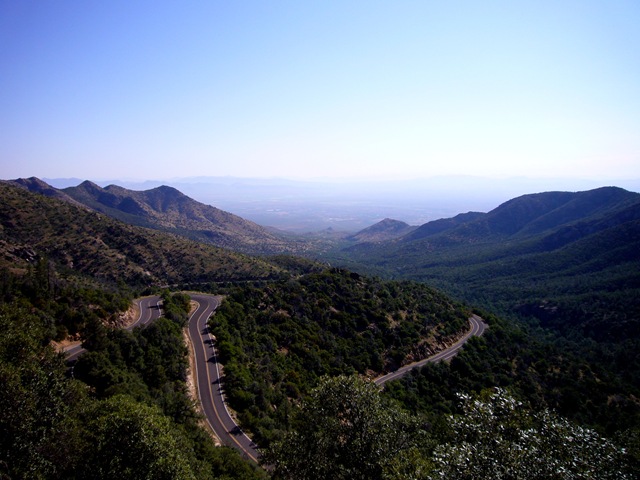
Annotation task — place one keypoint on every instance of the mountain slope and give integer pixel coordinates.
(80, 241)
(166, 208)
(386, 229)
(578, 254)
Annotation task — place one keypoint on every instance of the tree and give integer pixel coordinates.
(128, 439)
(498, 438)
(347, 430)
(34, 399)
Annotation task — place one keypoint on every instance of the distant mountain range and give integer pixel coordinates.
(301, 206)
(540, 255)
(165, 208)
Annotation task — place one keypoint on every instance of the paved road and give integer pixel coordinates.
(207, 372)
(149, 308)
(477, 328)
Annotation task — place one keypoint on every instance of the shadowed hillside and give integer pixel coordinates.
(85, 242)
(568, 259)
(166, 208)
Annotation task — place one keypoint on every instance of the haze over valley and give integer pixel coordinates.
(350, 205)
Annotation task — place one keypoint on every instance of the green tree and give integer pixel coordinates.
(35, 399)
(129, 439)
(347, 430)
(498, 438)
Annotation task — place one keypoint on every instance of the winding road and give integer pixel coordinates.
(477, 328)
(149, 310)
(207, 369)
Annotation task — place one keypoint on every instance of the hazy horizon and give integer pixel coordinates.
(311, 206)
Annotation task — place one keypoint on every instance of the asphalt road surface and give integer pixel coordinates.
(477, 328)
(207, 369)
(150, 310)
(207, 373)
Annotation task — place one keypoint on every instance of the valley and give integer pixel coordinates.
(554, 275)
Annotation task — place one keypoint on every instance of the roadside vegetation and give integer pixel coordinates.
(275, 342)
(122, 412)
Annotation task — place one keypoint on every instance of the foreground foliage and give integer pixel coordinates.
(498, 438)
(347, 430)
(276, 342)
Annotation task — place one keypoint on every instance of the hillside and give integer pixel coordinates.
(275, 342)
(167, 209)
(386, 229)
(566, 261)
(80, 241)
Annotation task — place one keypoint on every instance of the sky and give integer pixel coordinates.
(319, 89)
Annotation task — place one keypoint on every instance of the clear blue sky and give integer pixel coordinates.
(164, 89)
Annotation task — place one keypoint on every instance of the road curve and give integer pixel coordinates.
(477, 328)
(149, 310)
(207, 374)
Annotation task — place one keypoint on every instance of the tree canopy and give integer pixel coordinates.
(497, 437)
(346, 429)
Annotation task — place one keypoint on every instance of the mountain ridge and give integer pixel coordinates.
(166, 208)
(85, 242)
(34, 184)
(553, 248)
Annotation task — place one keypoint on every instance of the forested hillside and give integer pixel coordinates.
(276, 341)
(568, 262)
(295, 353)
(82, 242)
